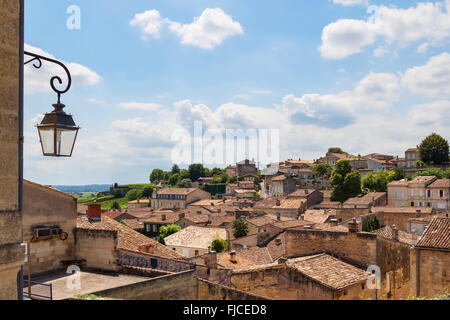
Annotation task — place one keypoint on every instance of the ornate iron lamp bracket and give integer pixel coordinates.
(38, 64)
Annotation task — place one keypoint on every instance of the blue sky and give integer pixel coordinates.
(325, 73)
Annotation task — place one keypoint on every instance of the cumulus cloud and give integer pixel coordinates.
(207, 31)
(427, 21)
(431, 114)
(140, 106)
(431, 79)
(38, 80)
(149, 22)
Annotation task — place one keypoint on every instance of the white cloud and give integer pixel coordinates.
(150, 23)
(431, 79)
(209, 30)
(346, 37)
(380, 51)
(38, 80)
(423, 48)
(431, 114)
(140, 106)
(352, 2)
(427, 21)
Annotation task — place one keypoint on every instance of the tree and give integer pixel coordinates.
(219, 245)
(345, 183)
(133, 194)
(434, 149)
(115, 206)
(174, 179)
(196, 171)
(336, 150)
(175, 169)
(148, 191)
(156, 176)
(240, 228)
(166, 231)
(183, 183)
(322, 170)
(377, 182)
(373, 224)
(399, 173)
(440, 174)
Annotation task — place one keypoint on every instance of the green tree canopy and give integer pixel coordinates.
(439, 173)
(345, 183)
(184, 174)
(174, 179)
(148, 190)
(240, 228)
(183, 183)
(434, 149)
(322, 170)
(377, 182)
(115, 206)
(175, 169)
(336, 150)
(219, 245)
(156, 176)
(134, 194)
(399, 173)
(167, 230)
(196, 171)
(373, 224)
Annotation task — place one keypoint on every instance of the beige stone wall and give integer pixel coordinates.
(212, 291)
(359, 248)
(11, 254)
(178, 286)
(434, 273)
(98, 248)
(44, 207)
(281, 283)
(400, 219)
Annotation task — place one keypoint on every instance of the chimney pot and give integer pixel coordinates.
(278, 216)
(94, 211)
(394, 232)
(233, 256)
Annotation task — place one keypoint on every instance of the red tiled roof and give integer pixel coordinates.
(250, 257)
(440, 183)
(329, 271)
(127, 238)
(437, 235)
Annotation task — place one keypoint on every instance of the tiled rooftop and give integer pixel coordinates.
(181, 191)
(437, 235)
(254, 256)
(127, 238)
(387, 233)
(440, 183)
(195, 237)
(329, 271)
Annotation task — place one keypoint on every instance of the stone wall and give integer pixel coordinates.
(212, 291)
(44, 207)
(400, 219)
(281, 283)
(11, 253)
(350, 213)
(357, 248)
(178, 286)
(98, 248)
(434, 273)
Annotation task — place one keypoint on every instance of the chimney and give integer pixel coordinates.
(333, 222)
(278, 216)
(233, 256)
(182, 215)
(353, 226)
(163, 217)
(212, 204)
(302, 217)
(94, 211)
(394, 232)
(210, 259)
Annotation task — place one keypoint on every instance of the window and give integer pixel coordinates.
(408, 157)
(403, 195)
(412, 193)
(441, 193)
(421, 193)
(412, 204)
(196, 252)
(429, 193)
(396, 195)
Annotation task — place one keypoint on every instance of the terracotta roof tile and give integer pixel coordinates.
(245, 258)
(127, 238)
(437, 235)
(195, 237)
(388, 233)
(440, 183)
(329, 271)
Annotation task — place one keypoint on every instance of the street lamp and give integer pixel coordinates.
(57, 131)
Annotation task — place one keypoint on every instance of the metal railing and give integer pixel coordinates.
(30, 294)
(156, 263)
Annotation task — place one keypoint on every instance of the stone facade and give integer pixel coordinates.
(434, 274)
(11, 251)
(47, 207)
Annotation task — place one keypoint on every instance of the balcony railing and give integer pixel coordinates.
(36, 288)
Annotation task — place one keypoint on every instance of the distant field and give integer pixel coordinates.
(106, 202)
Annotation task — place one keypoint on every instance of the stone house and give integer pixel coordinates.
(194, 241)
(421, 192)
(280, 186)
(231, 171)
(433, 259)
(49, 220)
(246, 167)
(177, 197)
(312, 196)
(333, 158)
(139, 203)
(372, 199)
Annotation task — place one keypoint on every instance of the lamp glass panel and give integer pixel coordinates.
(47, 139)
(65, 139)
